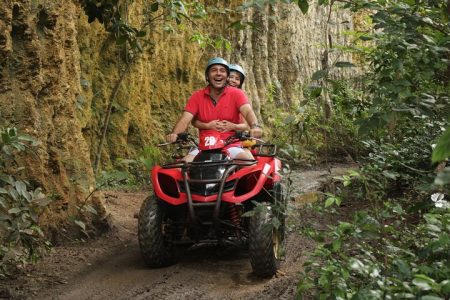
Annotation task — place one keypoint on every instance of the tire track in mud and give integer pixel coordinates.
(111, 267)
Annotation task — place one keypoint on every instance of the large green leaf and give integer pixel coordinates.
(423, 282)
(304, 5)
(442, 150)
(21, 187)
(319, 74)
(154, 7)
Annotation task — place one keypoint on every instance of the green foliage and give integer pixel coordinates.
(408, 74)
(442, 150)
(83, 210)
(398, 243)
(115, 179)
(11, 141)
(177, 10)
(402, 157)
(21, 205)
(380, 256)
(131, 173)
(149, 157)
(409, 60)
(206, 41)
(382, 252)
(302, 132)
(407, 88)
(303, 5)
(109, 13)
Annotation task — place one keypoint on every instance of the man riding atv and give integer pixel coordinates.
(221, 105)
(223, 195)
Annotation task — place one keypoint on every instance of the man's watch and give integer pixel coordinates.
(255, 125)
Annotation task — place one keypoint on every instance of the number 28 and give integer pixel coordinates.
(210, 141)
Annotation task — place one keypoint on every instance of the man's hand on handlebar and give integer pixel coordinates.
(182, 137)
(171, 137)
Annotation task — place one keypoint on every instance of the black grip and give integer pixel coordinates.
(182, 137)
(241, 135)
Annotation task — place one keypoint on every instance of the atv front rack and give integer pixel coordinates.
(231, 166)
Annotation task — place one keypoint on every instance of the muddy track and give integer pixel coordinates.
(111, 266)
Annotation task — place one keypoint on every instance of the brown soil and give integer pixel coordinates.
(111, 267)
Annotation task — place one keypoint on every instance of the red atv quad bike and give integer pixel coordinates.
(204, 201)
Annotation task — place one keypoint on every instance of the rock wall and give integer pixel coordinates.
(39, 84)
(58, 71)
(287, 49)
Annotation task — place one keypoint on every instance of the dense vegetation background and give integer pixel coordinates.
(391, 116)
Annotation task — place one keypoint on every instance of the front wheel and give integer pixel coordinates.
(156, 249)
(265, 242)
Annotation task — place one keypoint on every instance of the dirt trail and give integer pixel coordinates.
(111, 266)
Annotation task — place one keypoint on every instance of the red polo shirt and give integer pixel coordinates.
(227, 108)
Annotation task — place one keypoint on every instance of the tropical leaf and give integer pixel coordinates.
(319, 74)
(442, 149)
(303, 5)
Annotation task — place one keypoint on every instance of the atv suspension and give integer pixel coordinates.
(235, 219)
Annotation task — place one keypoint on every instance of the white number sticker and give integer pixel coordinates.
(210, 141)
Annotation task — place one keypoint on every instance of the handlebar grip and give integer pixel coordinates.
(245, 135)
(183, 136)
(241, 135)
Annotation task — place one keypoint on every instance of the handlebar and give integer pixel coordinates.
(182, 138)
(242, 136)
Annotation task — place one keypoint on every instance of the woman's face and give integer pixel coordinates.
(234, 79)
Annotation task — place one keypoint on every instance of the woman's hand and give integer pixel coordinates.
(226, 126)
(213, 125)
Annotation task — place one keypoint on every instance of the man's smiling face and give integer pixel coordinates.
(217, 76)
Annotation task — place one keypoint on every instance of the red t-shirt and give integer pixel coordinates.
(227, 108)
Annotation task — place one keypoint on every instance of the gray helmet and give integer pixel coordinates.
(240, 70)
(216, 61)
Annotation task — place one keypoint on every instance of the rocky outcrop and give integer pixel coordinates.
(287, 49)
(39, 86)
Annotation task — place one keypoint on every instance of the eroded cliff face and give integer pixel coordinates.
(39, 84)
(58, 71)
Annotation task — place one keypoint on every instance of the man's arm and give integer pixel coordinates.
(249, 115)
(180, 126)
